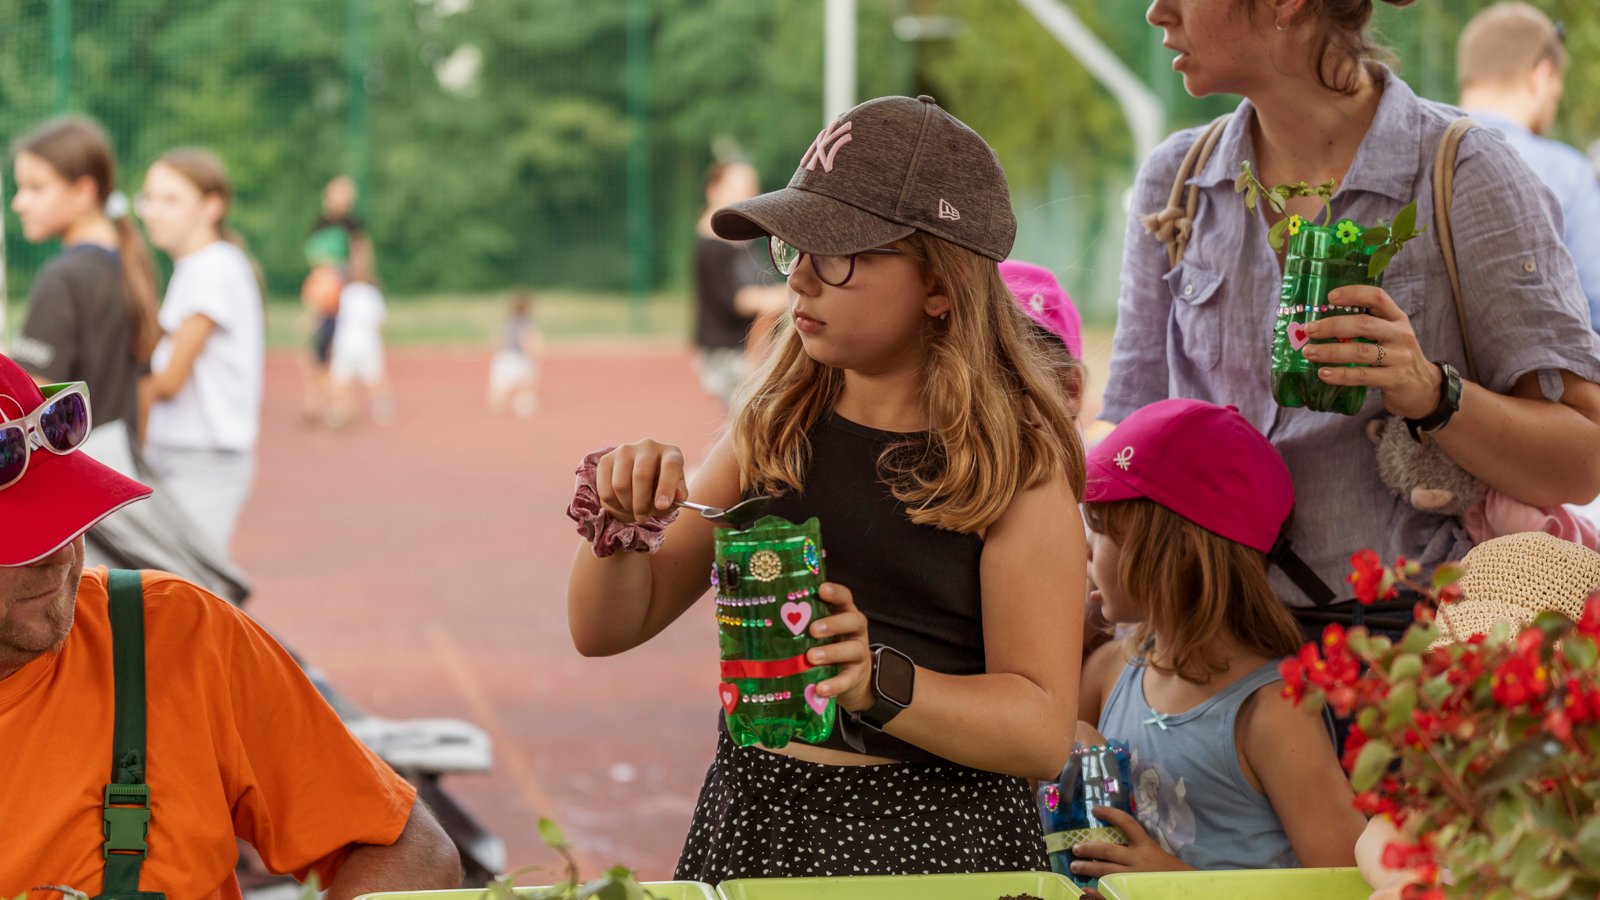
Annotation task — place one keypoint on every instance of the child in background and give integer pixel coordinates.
(204, 391)
(1041, 296)
(1187, 502)
(906, 406)
(514, 371)
(358, 348)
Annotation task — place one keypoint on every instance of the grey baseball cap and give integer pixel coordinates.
(889, 167)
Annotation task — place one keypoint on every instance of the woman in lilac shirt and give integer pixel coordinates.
(1317, 107)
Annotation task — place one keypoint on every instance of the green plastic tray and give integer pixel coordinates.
(1044, 885)
(663, 890)
(1249, 884)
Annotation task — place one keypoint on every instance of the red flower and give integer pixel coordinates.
(1581, 702)
(1353, 742)
(1590, 622)
(1422, 892)
(1519, 681)
(1406, 856)
(1294, 678)
(1366, 577)
(1558, 723)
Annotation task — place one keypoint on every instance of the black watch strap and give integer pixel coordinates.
(1449, 404)
(880, 714)
(885, 707)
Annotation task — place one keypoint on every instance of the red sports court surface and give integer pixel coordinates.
(423, 566)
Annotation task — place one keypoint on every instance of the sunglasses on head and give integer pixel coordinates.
(59, 425)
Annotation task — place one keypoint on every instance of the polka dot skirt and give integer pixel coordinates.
(762, 815)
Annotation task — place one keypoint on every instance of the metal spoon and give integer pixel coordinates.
(738, 516)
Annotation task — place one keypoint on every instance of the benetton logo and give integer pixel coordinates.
(946, 211)
(826, 147)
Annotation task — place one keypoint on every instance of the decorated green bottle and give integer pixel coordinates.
(1319, 260)
(766, 579)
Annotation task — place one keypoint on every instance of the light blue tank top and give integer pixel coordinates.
(1189, 792)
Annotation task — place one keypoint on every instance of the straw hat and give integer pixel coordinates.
(1516, 577)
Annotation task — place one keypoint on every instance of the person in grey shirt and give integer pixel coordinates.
(1317, 107)
(1511, 65)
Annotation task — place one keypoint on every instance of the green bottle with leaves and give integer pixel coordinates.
(1320, 258)
(766, 579)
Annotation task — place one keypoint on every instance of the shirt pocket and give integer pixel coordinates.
(1198, 314)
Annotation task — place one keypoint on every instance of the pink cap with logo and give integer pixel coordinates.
(1205, 462)
(1045, 301)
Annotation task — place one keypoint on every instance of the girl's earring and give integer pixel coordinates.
(1281, 26)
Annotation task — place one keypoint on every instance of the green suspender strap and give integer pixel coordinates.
(127, 797)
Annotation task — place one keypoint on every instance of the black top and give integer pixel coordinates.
(721, 269)
(77, 329)
(918, 585)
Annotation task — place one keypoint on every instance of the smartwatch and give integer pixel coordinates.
(1449, 404)
(894, 680)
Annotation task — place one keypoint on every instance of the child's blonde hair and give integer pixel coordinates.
(1195, 587)
(998, 422)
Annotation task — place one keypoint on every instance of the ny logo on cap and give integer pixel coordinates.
(1124, 458)
(826, 147)
(946, 211)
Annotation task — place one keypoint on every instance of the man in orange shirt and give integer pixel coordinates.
(235, 741)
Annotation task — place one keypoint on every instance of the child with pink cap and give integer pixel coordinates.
(1046, 302)
(1188, 503)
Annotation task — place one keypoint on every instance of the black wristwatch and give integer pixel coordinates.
(894, 681)
(1449, 403)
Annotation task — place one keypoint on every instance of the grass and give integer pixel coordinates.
(473, 320)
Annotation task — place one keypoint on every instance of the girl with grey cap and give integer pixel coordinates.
(907, 407)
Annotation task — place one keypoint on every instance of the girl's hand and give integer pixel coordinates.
(850, 650)
(640, 480)
(1410, 383)
(1143, 854)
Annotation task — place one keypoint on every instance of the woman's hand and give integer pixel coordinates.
(1100, 858)
(1394, 363)
(850, 650)
(639, 480)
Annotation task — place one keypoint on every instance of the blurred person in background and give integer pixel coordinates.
(357, 352)
(337, 237)
(204, 392)
(733, 292)
(92, 312)
(514, 371)
(1511, 65)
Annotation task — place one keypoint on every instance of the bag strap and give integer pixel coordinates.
(1444, 188)
(127, 798)
(1172, 225)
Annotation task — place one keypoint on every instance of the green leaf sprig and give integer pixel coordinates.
(1278, 198)
(618, 883)
(1386, 238)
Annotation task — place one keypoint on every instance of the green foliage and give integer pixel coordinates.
(617, 883)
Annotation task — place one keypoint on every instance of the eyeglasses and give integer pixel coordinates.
(834, 271)
(59, 426)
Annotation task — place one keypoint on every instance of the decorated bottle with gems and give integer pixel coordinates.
(1320, 258)
(1093, 776)
(766, 579)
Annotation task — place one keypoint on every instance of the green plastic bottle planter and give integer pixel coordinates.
(661, 890)
(1320, 259)
(1246, 884)
(1044, 885)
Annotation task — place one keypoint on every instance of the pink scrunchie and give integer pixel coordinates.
(596, 525)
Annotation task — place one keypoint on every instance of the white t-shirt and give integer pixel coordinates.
(219, 407)
(359, 327)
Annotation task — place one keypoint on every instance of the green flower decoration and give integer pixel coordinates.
(1349, 233)
(1294, 225)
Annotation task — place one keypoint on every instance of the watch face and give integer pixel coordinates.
(895, 677)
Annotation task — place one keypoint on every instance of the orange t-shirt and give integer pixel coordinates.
(239, 743)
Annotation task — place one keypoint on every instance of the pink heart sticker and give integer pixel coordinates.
(820, 704)
(1298, 338)
(796, 616)
(729, 694)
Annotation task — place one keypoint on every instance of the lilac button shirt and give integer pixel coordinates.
(1204, 329)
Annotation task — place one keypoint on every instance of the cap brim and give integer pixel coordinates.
(1103, 485)
(58, 499)
(812, 222)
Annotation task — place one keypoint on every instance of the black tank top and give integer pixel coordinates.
(918, 585)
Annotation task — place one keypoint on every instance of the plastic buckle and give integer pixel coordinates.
(127, 818)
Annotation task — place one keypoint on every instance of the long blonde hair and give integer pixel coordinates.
(998, 421)
(1195, 588)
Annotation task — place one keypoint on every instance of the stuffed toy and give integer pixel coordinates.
(1430, 481)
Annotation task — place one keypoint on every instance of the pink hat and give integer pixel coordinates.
(1045, 301)
(1202, 461)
